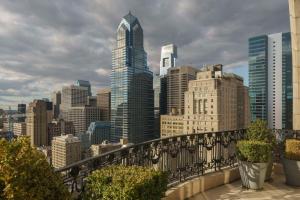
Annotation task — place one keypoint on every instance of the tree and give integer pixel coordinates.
(25, 173)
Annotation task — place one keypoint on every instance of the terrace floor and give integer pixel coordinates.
(274, 189)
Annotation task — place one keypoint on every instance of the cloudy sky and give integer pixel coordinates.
(47, 44)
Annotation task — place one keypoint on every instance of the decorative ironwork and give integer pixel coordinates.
(183, 156)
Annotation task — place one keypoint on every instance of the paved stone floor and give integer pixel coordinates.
(274, 189)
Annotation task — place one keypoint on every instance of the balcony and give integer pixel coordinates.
(200, 166)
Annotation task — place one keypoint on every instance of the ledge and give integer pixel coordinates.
(202, 183)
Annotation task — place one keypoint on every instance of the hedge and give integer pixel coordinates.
(126, 183)
(253, 151)
(292, 149)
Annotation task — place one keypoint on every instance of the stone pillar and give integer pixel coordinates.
(294, 8)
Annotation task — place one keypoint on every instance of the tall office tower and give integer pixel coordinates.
(168, 58)
(36, 123)
(56, 99)
(86, 84)
(177, 84)
(216, 101)
(65, 150)
(270, 79)
(82, 117)
(157, 93)
(132, 109)
(103, 102)
(21, 108)
(49, 111)
(59, 127)
(73, 96)
(99, 131)
(294, 6)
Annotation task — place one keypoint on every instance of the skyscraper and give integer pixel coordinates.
(132, 114)
(103, 102)
(73, 96)
(36, 123)
(56, 99)
(168, 58)
(270, 79)
(86, 84)
(177, 84)
(295, 34)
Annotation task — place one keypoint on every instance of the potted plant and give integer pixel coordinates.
(291, 162)
(259, 131)
(253, 157)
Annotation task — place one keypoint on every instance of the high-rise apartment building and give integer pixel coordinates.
(86, 84)
(82, 117)
(59, 127)
(104, 102)
(294, 7)
(66, 150)
(36, 123)
(177, 84)
(168, 58)
(56, 100)
(270, 79)
(132, 109)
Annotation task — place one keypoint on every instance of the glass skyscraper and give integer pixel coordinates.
(270, 79)
(132, 103)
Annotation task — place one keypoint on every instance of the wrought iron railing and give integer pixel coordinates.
(184, 157)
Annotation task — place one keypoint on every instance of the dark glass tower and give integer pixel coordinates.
(270, 79)
(258, 77)
(132, 103)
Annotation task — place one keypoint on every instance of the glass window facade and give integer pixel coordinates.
(132, 103)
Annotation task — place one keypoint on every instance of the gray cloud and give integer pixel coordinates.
(47, 44)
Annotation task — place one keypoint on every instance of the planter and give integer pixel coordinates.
(269, 169)
(252, 174)
(292, 171)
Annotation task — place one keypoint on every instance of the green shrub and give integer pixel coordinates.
(258, 130)
(126, 183)
(292, 149)
(253, 151)
(25, 173)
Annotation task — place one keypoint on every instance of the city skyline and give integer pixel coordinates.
(51, 48)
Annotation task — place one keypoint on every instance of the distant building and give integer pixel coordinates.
(92, 101)
(99, 131)
(168, 58)
(66, 149)
(177, 84)
(59, 127)
(73, 96)
(270, 79)
(172, 125)
(82, 117)
(85, 142)
(19, 128)
(216, 101)
(36, 123)
(103, 102)
(21, 108)
(132, 102)
(56, 99)
(86, 84)
(98, 149)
